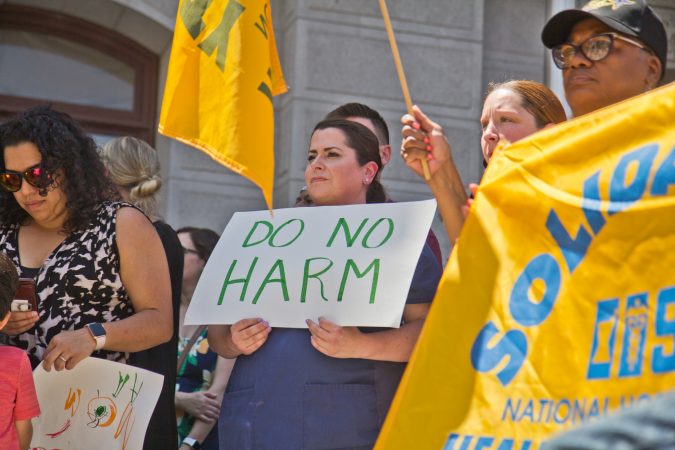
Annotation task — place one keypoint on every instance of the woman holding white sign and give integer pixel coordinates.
(328, 386)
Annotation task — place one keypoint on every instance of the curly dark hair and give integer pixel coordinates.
(64, 147)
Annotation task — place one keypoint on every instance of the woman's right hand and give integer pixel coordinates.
(248, 335)
(203, 405)
(423, 139)
(20, 322)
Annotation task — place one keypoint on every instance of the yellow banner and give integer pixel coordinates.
(558, 304)
(224, 70)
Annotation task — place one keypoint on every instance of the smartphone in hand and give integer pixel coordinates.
(25, 298)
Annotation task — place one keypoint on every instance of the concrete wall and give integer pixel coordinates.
(336, 51)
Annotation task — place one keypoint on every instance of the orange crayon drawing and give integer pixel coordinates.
(126, 424)
(70, 401)
(102, 412)
(127, 420)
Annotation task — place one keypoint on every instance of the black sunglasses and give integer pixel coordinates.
(595, 48)
(37, 176)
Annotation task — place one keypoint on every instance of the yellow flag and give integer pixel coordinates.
(224, 70)
(558, 304)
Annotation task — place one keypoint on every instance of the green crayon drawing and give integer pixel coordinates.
(120, 383)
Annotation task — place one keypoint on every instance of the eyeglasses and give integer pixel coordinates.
(37, 176)
(189, 250)
(595, 48)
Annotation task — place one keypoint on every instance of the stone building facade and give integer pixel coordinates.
(105, 62)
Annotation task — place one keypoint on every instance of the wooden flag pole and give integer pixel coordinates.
(401, 74)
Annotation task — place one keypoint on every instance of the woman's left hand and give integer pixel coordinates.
(334, 340)
(67, 349)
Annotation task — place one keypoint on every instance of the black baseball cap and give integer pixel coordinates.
(630, 17)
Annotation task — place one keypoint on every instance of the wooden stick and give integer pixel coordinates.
(401, 74)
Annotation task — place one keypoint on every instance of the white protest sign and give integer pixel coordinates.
(99, 404)
(351, 264)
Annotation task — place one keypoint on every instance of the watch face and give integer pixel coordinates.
(97, 329)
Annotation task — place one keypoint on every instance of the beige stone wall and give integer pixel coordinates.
(336, 51)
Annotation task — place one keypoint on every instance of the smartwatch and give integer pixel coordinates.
(98, 333)
(192, 443)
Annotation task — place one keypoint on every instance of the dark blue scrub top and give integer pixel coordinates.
(287, 395)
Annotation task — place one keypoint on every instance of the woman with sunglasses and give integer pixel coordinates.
(203, 374)
(512, 111)
(102, 278)
(133, 166)
(326, 386)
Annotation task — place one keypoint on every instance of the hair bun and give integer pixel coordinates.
(146, 188)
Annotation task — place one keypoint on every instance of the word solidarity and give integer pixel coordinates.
(628, 184)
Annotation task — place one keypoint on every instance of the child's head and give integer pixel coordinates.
(9, 280)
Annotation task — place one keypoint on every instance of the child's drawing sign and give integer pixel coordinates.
(99, 404)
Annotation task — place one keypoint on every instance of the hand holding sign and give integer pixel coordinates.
(334, 340)
(67, 349)
(248, 335)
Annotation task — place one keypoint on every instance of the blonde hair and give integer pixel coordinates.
(134, 165)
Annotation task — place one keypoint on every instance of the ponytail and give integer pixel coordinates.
(376, 193)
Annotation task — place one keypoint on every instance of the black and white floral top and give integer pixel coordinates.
(79, 283)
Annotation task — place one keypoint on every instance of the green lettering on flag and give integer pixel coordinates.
(219, 38)
(192, 11)
(264, 88)
(262, 26)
